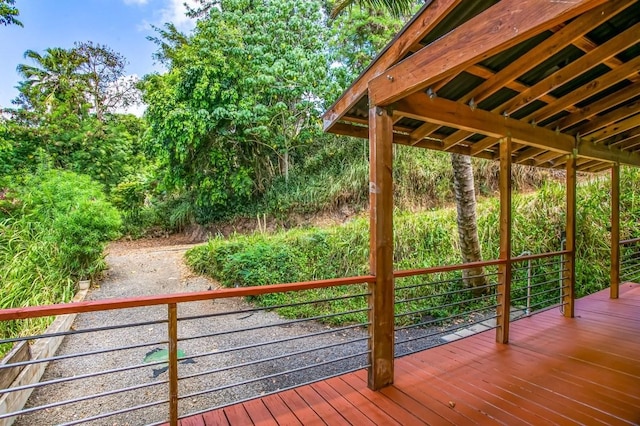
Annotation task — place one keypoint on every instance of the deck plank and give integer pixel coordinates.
(555, 370)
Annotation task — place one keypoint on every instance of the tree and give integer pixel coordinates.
(241, 99)
(65, 116)
(395, 8)
(107, 85)
(8, 13)
(53, 79)
(463, 181)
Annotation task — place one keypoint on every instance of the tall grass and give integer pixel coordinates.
(53, 227)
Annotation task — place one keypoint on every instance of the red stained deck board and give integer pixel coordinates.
(555, 370)
(215, 418)
(237, 415)
(259, 413)
(280, 411)
(350, 412)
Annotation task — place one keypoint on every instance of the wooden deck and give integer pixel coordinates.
(584, 370)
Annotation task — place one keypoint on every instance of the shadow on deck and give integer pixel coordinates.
(555, 370)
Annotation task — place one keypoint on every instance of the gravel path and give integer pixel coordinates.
(136, 270)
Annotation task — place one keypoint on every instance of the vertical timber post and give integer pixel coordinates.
(615, 231)
(381, 300)
(504, 269)
(173, 364)
(569, 281)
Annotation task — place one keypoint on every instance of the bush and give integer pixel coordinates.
(428, 239)
(53, 227)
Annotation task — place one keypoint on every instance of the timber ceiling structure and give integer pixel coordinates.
(557, 77)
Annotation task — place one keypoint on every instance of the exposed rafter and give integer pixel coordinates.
(427, 19)
(503, 25)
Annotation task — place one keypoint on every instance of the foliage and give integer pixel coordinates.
(427, 239)
(356, 38)
(8, 13)
(106, 150)
(394, 7)
(53, 226)
(66, 116)
(239, 103)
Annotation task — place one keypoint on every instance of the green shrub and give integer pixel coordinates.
(53, 234)
(426, 239)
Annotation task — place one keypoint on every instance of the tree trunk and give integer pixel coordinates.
(465, 194)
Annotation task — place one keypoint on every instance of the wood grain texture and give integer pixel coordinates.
(381, 306)
(498, 28)
(555, 370)
(615, 231)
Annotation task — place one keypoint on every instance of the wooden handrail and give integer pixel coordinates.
(630, 241)
(136, 302)
(538, 256)
(165, 299)
(447, 268)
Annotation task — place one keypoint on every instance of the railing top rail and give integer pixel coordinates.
(630, 241)
(447, 268)
(539, 256)
(136, 302)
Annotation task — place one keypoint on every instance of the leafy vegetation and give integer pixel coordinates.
(423, 239)
(53, 227)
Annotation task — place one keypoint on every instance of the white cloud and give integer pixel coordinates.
(175, 11)
(138, 2)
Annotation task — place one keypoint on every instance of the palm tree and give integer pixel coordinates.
(396, 8)
(53, 79)
(463, 181)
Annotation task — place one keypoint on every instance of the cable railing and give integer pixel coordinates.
(174, 356)
(630, 260)
(537, 282)
(437, 305)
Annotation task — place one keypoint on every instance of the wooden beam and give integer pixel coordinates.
(486, 143)
(610, 101)
(547, 48)
(610, 154)
(583, 92)
(528, 153)
(615, 129)
(172, 328)
(424, 130)
(569, 276)
(574, 69)
(381, 300)
(498, 28)
(608, 119)
(615, 231)
(504, 269)
(449, 113)
(424, 22)
(622, 141)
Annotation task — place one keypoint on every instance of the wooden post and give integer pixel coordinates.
(173, 364)
(569, 281)
(504, 269)
(615, 231)
(381, 301)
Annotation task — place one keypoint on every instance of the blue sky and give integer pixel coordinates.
(123, 25)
